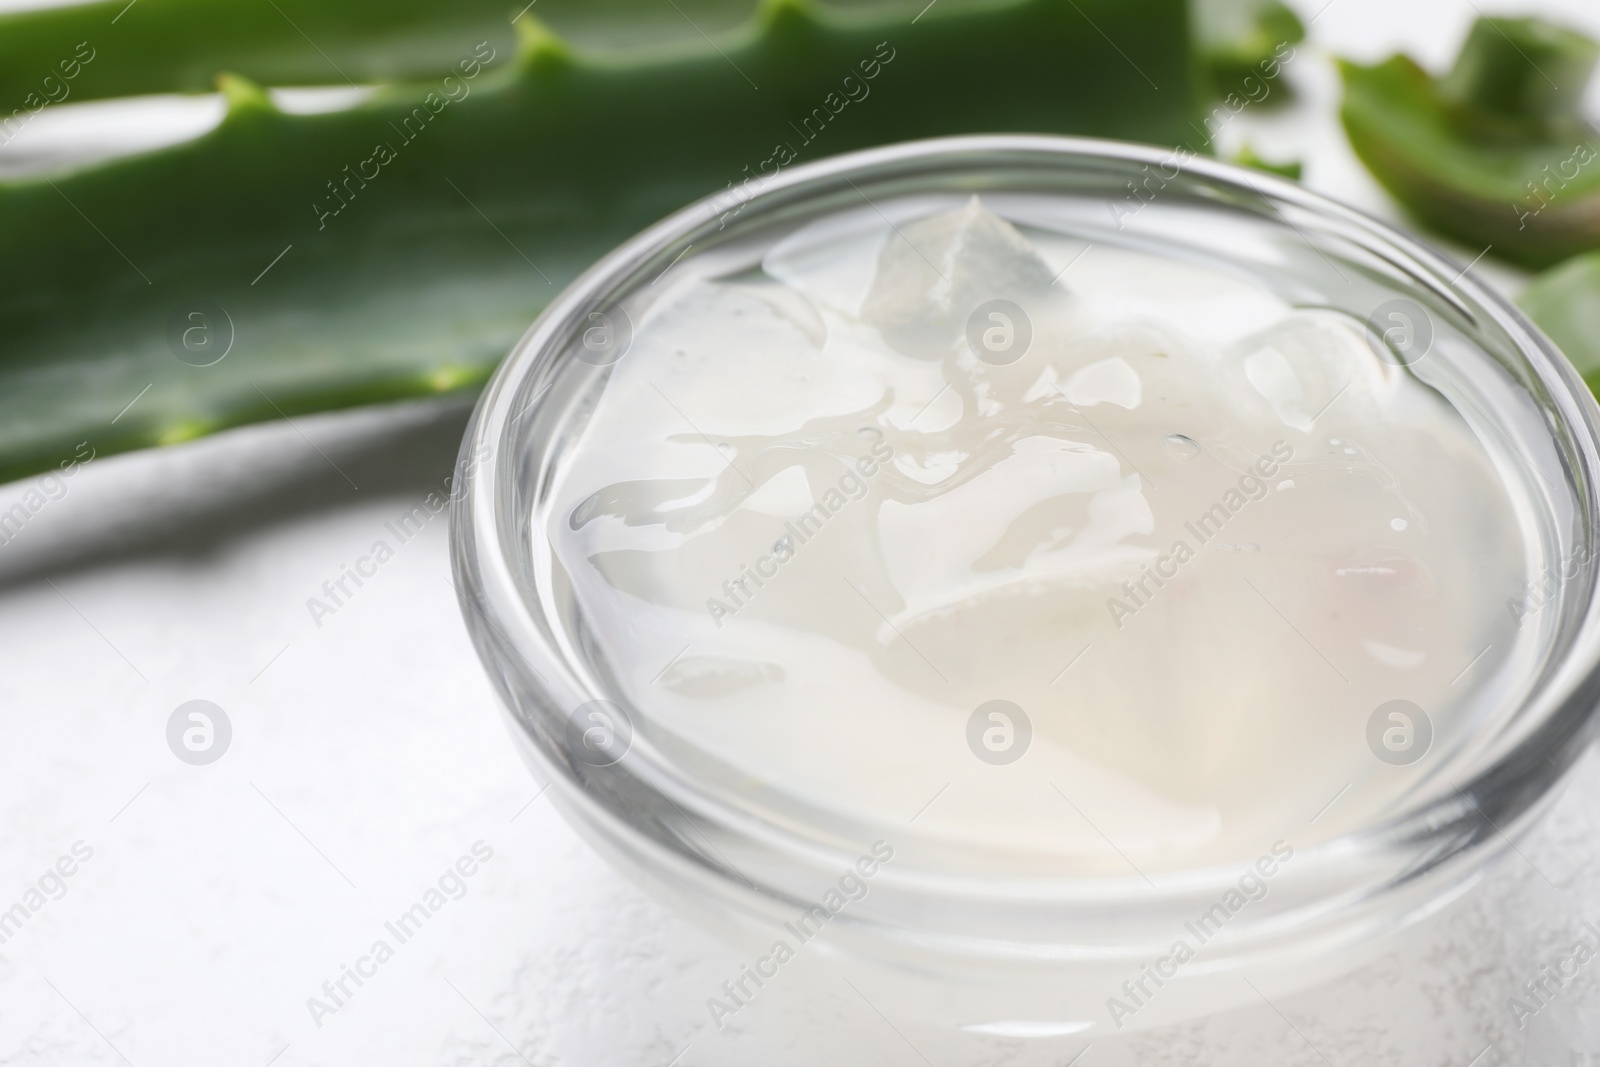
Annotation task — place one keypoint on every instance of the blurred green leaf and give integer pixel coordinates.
(1248, 157)
(1242, 43)
(1493, 154)
(398, 248)
(1565, 302)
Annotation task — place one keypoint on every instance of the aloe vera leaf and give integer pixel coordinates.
(179, 46)
(1492, 154)
(439, 260)
(1239, 40)
(1247, 156)
(1565, 302)
(1521, 72)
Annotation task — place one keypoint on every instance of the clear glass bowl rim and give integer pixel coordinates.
(1504, 791)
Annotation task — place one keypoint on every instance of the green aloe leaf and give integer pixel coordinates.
(1565, 302)
(399, 247)
(1242, 45)
(1247, 156)
(141, 47)
(1495, 153)
(179, 46)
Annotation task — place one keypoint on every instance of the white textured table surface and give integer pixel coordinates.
(367, 758)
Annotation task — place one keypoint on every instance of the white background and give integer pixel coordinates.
(367, 756)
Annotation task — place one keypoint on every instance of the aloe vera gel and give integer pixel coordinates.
(1120, 557)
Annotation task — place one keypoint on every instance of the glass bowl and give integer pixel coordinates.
(979, 934)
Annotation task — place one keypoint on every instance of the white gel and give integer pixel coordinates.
(981, 532)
